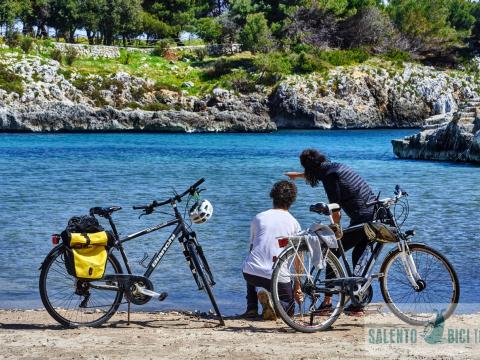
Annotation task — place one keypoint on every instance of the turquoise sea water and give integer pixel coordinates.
(46, 179)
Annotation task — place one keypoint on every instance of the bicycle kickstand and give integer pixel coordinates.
(128, 313)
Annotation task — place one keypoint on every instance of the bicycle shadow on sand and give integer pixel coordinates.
(183, 322)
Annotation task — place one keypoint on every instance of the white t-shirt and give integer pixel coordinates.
(266, 228)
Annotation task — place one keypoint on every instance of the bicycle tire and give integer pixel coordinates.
(336, 266)
(387, 296)
(206, 284)
(51, 259)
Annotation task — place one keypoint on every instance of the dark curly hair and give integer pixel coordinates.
(311, 161)
(283, 194)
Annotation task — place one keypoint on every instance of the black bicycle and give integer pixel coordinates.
(74, 302)
(416, 281)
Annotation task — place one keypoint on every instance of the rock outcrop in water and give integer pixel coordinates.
(366, 96)
(450, 137)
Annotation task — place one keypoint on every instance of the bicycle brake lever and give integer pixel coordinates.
(147, 211)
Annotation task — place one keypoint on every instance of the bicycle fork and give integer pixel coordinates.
(409, 266)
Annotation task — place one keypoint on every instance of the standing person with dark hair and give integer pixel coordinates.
(266, 227)
(346, 188)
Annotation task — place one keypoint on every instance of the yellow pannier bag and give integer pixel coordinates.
(86, 255)
(380, 232)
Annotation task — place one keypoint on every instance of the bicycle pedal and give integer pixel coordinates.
(377, 276)
(162, 296)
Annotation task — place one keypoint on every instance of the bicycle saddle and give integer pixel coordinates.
(104, 211)
(324, 209)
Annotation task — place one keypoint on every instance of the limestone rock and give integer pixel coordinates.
(454, 140)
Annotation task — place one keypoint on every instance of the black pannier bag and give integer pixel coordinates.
(86, 244)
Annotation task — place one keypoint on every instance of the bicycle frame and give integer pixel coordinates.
(179, 229)
(407, 260)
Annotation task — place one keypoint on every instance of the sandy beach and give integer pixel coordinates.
(174, 335)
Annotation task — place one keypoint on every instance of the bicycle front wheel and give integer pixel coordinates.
(293, 269)
(438, 289)
(72, 302)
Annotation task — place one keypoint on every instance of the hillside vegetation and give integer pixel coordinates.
(435, 30)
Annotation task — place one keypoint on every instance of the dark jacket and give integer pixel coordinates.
(348, 189)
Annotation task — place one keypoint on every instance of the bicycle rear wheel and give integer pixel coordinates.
(73, 302)
(309, 315)
(203, 276)
(439, 288)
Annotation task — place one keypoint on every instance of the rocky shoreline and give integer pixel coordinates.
(449, 137)
(369, 96)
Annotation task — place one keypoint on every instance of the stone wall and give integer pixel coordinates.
(102, 51)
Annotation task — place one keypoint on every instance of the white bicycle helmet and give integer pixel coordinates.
(201, 211)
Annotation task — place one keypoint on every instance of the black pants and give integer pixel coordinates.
(355, 239)
(285, 292)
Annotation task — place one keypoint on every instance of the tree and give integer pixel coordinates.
(476, 26)
(371, 27)
(155, 28)
(239, 10)
(313, 26)
(461, 15)
(130, 19)
(179, 15)
(65, 17)
(425, 23)
(9, 10)
(256, 35)
(209, 29)
(91, 18)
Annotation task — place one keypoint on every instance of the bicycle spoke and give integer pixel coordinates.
(436, 288)
(74, 302)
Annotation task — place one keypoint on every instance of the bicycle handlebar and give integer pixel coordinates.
(150, 207)
(398, 196)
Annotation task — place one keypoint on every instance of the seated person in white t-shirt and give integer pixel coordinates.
(266, 227)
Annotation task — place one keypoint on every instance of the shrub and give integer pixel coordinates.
(26, 44)
(241, 81)
(12, 39)
(57, 55)
(132, 105)
(47, 43)
(397, 55)
(161, 48)
(219, 68)
(156, 107)
(307, 63)
(200, 53)
(193, 55)
(273, 66)
(256, 35)
(170, 55)
(344, 57)
(164, 86)
(10, 82)
(126, 57)
(71, 55)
